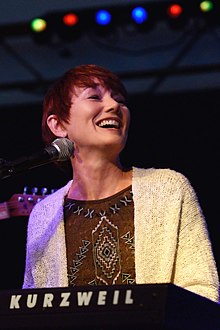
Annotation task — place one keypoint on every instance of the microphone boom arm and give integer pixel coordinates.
(60, 150)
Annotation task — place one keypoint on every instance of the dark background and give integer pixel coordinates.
(178, 131)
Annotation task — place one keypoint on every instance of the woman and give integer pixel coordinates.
(111, 225)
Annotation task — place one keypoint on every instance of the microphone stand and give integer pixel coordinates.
(60, 150)
(9, 168)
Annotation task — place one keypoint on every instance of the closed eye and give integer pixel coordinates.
(94, 97)
(121, 101)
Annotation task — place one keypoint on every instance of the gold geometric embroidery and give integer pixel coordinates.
(106, 251)
(128, 239)
(127, 278)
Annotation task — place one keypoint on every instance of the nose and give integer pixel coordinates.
(113, 106)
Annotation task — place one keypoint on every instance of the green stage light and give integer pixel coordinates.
(206, 6)
(38, 25)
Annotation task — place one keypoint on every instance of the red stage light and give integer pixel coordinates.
(175, 10)
(70, 19)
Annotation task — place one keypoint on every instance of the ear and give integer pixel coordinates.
(56, 126)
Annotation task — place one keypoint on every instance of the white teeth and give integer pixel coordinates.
(111, 122)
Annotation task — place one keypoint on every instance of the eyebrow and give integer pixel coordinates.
(100, 87)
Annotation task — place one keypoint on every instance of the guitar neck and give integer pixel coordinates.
(19, 205)
(4, 211)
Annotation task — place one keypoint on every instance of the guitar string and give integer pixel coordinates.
(17, 203)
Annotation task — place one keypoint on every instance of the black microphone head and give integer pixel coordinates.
(64, 147)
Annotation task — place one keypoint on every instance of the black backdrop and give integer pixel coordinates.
(178, 131)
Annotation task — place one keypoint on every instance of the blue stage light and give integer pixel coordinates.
(103, 17)
(139, 15)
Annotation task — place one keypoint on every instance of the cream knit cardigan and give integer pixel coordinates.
(171, 238)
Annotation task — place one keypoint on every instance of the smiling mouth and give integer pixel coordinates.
(110, 123)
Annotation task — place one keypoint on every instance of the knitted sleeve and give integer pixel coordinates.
(28, 276)
(195, 267)
(45, 264)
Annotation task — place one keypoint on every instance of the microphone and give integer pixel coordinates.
(61, 149)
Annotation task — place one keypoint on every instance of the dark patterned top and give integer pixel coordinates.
(100, 240)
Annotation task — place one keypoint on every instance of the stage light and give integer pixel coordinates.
(68, 26)
(139, 15)
(38, 25)
(210, 12)
(206, 6)
(103, 17)
(102, 22)
(141, 18)
(175, 10)
(177, 16)
(39, 29)
(70, 19)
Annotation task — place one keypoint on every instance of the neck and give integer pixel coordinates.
(98, 180)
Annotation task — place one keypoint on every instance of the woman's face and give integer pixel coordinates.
(99, 119)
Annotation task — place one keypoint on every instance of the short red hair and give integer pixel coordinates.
(58, 98)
